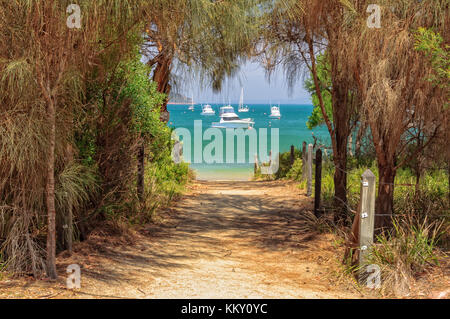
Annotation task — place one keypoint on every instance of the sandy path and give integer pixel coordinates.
(222, 240)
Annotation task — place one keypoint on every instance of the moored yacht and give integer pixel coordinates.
(229, 119)
(275, 112)
(207, 110)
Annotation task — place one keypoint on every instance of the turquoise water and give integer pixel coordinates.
(292, 131)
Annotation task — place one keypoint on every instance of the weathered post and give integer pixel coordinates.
(309, 170)
(141, 168)
(350, 145)
(367, 219)
(70, 231)
(256, 164)
(68, 228)
(318, 182)
(304, 156)
(292, 155)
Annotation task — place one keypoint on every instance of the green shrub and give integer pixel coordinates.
(296, 171)
(284, 167)
(406, 251)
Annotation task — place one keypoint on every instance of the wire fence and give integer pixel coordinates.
(351, 209)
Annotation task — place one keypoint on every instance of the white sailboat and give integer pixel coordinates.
(242, 108)
(191, 107)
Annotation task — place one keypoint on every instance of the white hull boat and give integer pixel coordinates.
(229, 119)
(242, 108)
(208, 110)
(275, 112)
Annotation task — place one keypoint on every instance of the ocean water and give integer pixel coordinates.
(291, 127)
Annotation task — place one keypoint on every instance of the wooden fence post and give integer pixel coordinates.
(68, 228)
(256, 164)
(304, 161)
(367, 219)
(70, 231)
(292, 155)
(318, 182)
(309, 170)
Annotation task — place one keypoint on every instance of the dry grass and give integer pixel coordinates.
(408, 252)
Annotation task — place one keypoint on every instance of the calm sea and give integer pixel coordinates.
(291, 125)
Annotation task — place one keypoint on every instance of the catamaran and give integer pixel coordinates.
(208, 110)
(275, 112)
(242, 108)
(229, 119)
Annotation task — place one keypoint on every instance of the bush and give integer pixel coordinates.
(406, 252)
(124, 115)
(296, 171)
(284, 167)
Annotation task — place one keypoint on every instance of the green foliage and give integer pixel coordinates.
(208, 38)
(296, 171)
(284, 166)
(163, 177)
(132, 87)
(145, 99)
(421, 222)
(324, 76)
(428, 201)
(76, 184)
(410, 240)
(165, 181)
(408, 250)
(433, 188)
(431, 44)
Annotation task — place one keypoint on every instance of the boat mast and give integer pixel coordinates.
(241, 100)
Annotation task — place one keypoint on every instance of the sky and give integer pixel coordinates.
(257, 89)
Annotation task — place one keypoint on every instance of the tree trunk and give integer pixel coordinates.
(161, 76)
(68, 218)
(340, 185)
(385, 200)
(141, 170)
(50, 193)
(448, 174)
(359, 137)
(418, 175)
(303, 161)
(341, 131)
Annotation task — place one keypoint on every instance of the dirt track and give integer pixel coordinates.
(222, 240)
